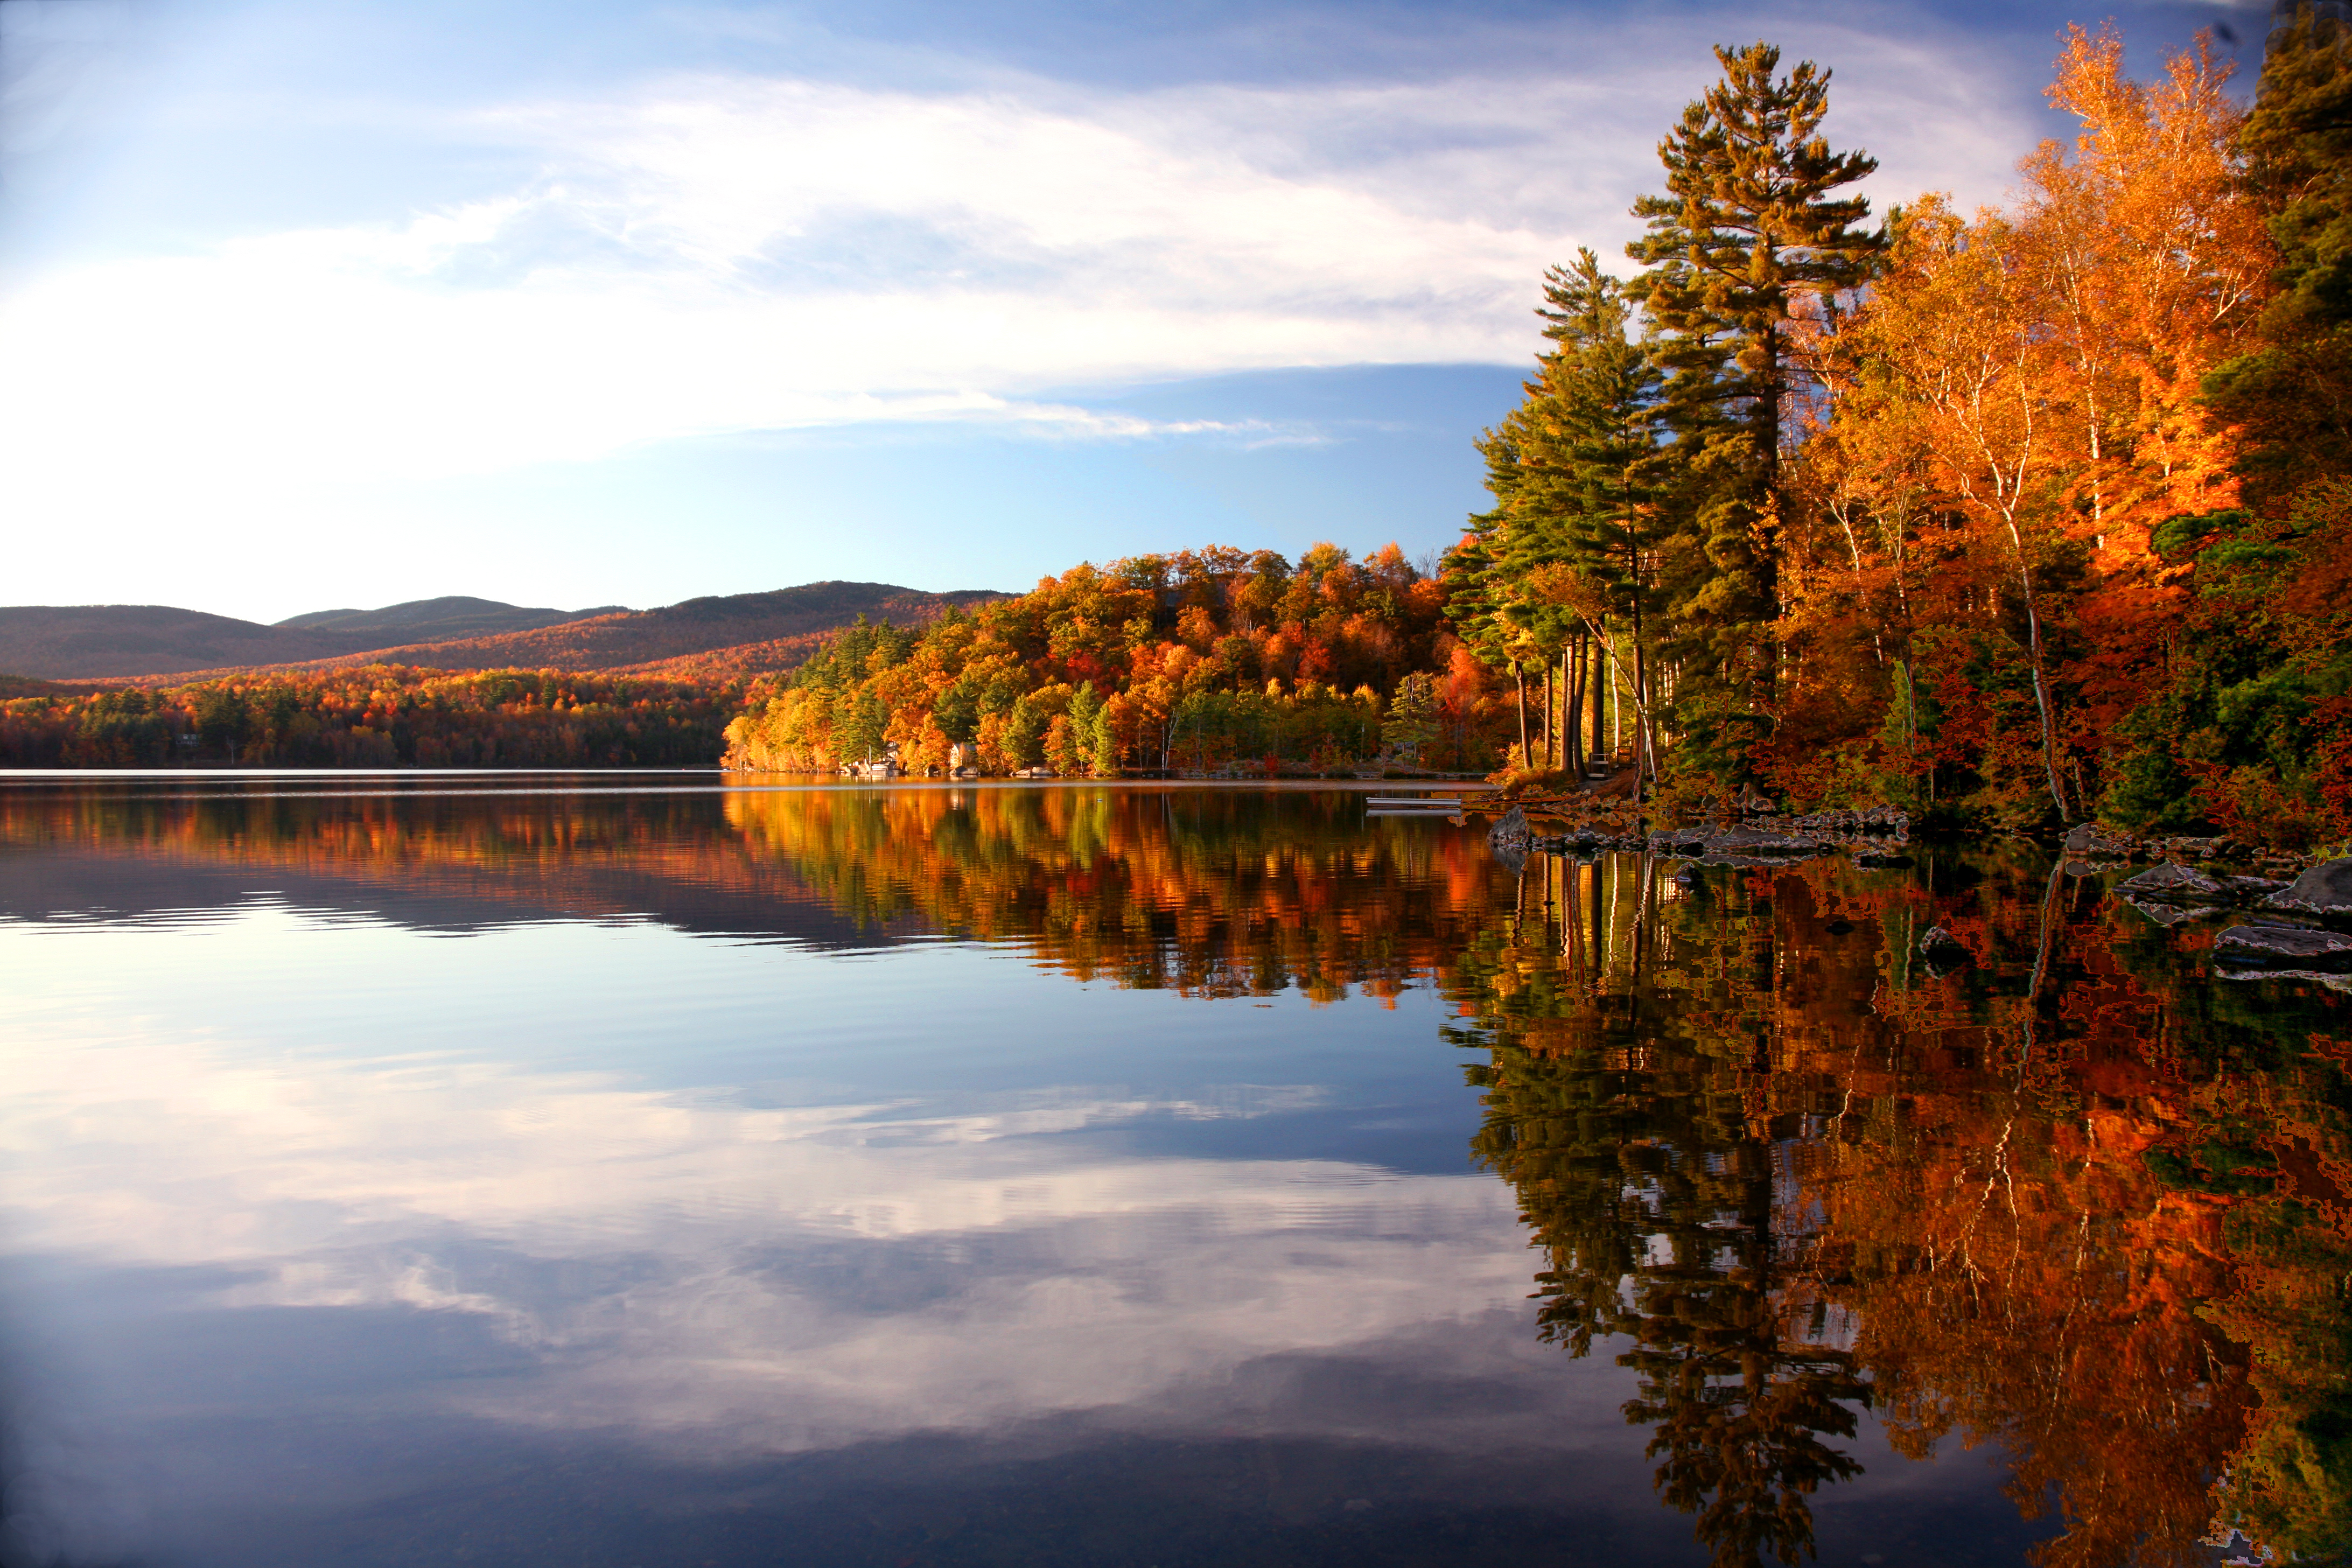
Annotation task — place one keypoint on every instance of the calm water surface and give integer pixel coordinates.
(615, 1171)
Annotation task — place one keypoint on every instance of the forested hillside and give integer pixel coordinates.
(773, 630)
(1202, 660)
(380, 716)
(2011, 518)
(728, 635)
(97, 641)
(443, 619)
(110, 641)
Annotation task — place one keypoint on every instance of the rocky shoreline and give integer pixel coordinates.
(2293, 914)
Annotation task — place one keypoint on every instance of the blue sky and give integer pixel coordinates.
(319, 303)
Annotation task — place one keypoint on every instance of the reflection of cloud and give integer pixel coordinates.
(796, 1276)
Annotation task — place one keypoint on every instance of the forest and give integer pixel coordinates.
(1209, 659)
(2010, 518)
(380, 716)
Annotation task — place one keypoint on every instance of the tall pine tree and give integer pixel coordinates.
(1749, 227)
(1569, 560)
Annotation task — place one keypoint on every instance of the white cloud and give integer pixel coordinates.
(717, 254)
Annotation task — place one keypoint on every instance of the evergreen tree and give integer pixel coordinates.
(1572, 555)
(2293, 393)
(1749, 227)
(1611, 467)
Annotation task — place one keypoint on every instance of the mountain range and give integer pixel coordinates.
(733, 634)
(440, 620)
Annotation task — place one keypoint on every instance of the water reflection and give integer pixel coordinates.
(843, 1208)
(2019, 1204)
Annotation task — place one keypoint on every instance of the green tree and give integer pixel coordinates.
(2293, 393)
(862, 719)
(1748, 232)
(1570, 560)
(1412, 720)
(223, 720)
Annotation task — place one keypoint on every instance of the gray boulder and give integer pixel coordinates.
(2276, 947)
(2169, 914)
(2092, 842)
(1510, 830)
(2325, 889)
(2173, 884)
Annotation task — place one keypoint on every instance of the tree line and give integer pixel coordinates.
(1209, 659)
(2023, 515)
(380, 716)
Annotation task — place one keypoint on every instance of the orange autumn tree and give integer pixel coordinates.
(2156, 262)
(1211, 658)
(2002, 427)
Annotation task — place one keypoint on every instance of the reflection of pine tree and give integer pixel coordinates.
(1612, 1108)
(1740, 1410)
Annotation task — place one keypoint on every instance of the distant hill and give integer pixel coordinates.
(730, 633)
(698, 627)
(740, 661)
(445, 619)
(86, 640)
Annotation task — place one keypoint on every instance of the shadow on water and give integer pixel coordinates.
(2076, 1202)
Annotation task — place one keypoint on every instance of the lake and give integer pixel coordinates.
(660, 1169)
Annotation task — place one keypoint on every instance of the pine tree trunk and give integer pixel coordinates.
(1551, 732)
(1571, 706)
(1601, 693)
(1519, 674)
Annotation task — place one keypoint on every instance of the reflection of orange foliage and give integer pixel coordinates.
(595, 854)
(2076, 1201)
(1203, 891)
(2008, 1183)
(2028, 1286)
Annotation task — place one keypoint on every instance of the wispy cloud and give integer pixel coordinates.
(712, 254)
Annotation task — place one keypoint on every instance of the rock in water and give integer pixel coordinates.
(2088, 840)
(2174, 884)
(2325, 889)
(2271, 947)
(2169, 915)
(1511, 831)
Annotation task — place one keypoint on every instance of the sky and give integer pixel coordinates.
(307, 304)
